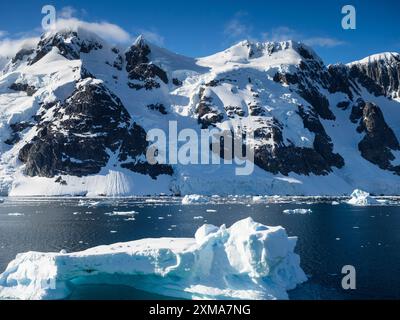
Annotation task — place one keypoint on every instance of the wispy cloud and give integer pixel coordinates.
(284, 33)
(3, 33)
(106, 30)
(281, 33)
(67, 19)
(237, 28)
(67, 12)
(153, 37)
(9, 47)
(324, 42)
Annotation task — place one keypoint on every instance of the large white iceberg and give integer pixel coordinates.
(362, 198)
(246, 261)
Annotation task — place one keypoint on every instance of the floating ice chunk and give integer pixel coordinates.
(198, 217)
(16, 214)
(246, 261)
(211, 210)
(362, 198)
(86, 203)
(335, 203)
(193, 199)
(297, 211)
(260, 199)
(122, 213)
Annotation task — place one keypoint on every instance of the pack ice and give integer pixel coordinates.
(246, 261)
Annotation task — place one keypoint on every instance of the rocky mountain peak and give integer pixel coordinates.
(70, 43)
(383, 69)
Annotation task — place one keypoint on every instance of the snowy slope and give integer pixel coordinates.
(317, 129)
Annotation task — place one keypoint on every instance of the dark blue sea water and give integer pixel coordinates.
(329, 238)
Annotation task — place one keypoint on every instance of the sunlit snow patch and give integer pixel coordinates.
(246, 261)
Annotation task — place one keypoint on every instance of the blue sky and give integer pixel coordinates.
(199, 28)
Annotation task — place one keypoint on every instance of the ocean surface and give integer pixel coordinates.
(330, 237)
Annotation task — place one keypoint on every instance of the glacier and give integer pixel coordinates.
(245, 261)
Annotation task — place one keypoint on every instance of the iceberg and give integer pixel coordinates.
(362, 198)
(194, 199)
(246, 261)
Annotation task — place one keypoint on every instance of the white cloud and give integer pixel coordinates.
(153, 37)
(324, 42)
(67, 12)
(280, 34)
(9, 47)
(236, 28)
(106, 30)
(285, 33)
(3, 33)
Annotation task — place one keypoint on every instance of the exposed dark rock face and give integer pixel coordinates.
(69, 44)
(158, 107)
(343, 105)
(139, 66)
(366, 81)
(256, 110)
(30, 90)
(337, 80)
(285, 158)
(177, 82)
(118, 62)
(86, 129)
(22, 54)
(379, 140)
(232, 111)
(17, 129)
(207, 113)
(310, 73)
(384, 71)
(322, 142)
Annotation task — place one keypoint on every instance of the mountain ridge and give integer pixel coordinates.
(317, 129)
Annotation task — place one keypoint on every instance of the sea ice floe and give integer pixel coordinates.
(15, 214)
(297, 211)
(121, 213)
(246, 261)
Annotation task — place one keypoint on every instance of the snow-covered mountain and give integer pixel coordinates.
(74, 112)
